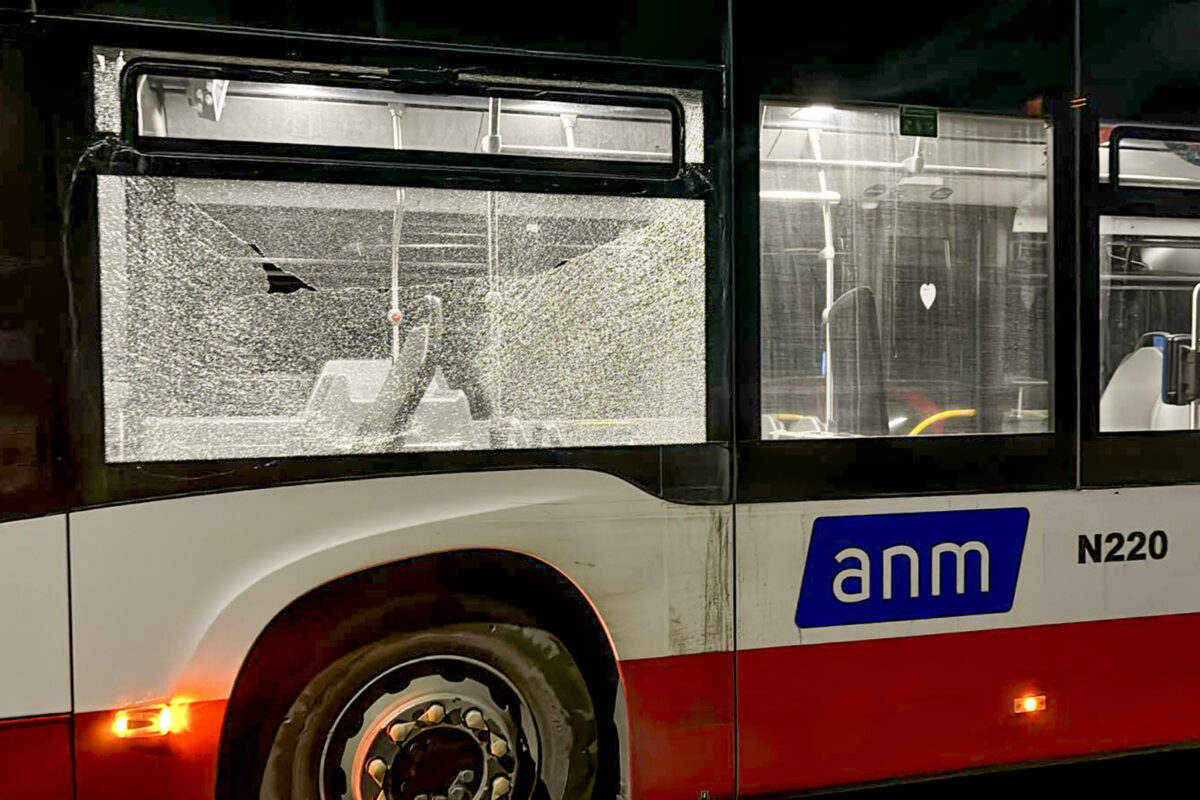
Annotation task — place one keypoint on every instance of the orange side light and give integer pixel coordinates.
(146, 721)
(1029, 704)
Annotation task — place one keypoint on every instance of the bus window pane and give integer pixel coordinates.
(1149, 270)
(343, 116)
(1157, 163)
(259, 319)
(905, 281)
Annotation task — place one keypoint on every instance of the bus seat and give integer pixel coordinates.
(344, 390)
(356, 405)
(856, 365)
(1128, 402)
(361, 379)
(407, 379)
(1170, 418)
(442, 419)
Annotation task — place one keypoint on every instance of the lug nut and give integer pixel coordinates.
(458, 789)
(400, 731)
(498, 747)
(433, 715)
(474, 720)
(376, 768)
(500, 787)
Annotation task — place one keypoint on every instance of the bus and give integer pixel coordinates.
(683, 401)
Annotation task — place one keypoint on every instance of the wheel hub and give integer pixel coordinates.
(437, 761)
(446, 728)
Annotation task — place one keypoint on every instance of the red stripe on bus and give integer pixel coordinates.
(681, 726)
(818, 715)
(181, 765)
(35, 757)
(832, 714)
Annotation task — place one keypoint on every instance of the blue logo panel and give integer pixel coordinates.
(886, 567)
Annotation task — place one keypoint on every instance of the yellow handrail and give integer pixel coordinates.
(939, 416)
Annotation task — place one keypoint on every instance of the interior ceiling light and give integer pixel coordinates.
(816, 112)
(941, 193)
(875, 190)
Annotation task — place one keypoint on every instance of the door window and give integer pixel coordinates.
(905, 284)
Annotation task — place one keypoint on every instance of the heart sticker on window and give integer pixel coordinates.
(928, 294)
(1027, 297)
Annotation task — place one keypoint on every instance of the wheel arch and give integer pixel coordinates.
(479, 584)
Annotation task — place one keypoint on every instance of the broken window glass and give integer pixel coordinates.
(260, 319)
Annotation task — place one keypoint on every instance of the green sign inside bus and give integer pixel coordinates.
(918, 121)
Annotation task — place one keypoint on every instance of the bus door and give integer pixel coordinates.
(906, 325)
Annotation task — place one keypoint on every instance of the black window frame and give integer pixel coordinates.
(34, 478)
(1126, 458)
(890, 466)
(686, 473)
(471, 164)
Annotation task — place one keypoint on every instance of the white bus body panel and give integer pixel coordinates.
(1052, 586)
(169, 595)
(35, 658)
(832, 633)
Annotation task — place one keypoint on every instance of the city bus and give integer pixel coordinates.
(682, 401)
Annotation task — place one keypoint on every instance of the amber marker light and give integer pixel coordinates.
(146, 721)
(1029, 704)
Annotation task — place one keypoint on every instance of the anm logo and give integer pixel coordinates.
(886, 567)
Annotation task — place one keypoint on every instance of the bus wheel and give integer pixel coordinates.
(463, 712)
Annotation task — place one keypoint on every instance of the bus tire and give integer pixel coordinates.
(463, 711)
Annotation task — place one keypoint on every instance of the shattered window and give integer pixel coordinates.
(260, 319)
(905, 280)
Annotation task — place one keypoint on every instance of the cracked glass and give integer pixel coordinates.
(262, 319)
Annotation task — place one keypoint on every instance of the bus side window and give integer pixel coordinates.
(1149, 273)
(250, 318)
(939, 239)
